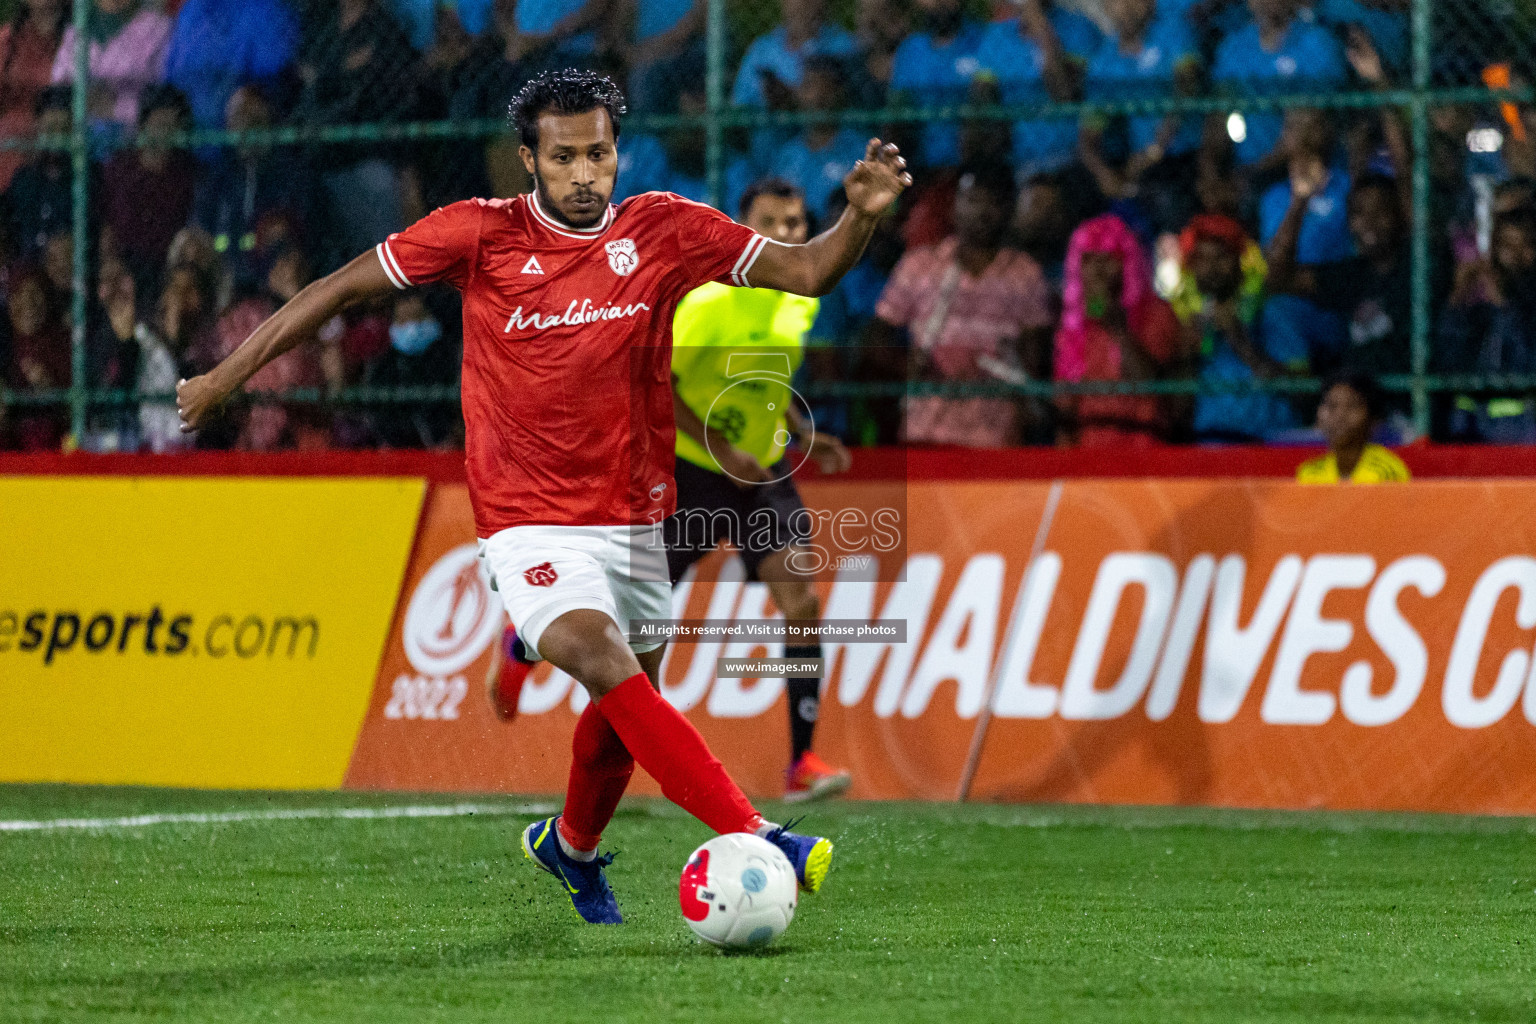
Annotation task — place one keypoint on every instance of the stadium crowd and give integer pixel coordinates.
(1227, 247)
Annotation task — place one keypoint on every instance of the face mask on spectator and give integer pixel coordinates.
(414, 337)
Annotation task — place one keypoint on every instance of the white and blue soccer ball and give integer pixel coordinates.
(738, 891)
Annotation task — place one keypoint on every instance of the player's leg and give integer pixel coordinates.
(776, 552)
(601, 767)
(588, 645)
(541, 573)
(808, 776)
(509, 668)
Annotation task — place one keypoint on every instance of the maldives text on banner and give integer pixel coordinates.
(188, 631)
(1237, 643)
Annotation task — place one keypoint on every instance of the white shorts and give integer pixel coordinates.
(542, 572)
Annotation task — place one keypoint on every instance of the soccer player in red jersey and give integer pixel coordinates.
(567, 395)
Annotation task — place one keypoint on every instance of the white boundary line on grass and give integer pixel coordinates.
(289, 814)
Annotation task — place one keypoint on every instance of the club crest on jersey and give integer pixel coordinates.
(622, 256)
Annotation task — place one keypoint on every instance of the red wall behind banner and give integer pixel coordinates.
(1239, 643)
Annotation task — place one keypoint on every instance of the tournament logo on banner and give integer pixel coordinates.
(452, 616)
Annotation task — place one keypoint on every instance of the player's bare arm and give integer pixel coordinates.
(815, 267)
(739, 466)
(826, 450)
(299, 319)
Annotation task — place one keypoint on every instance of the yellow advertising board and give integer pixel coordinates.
(186, 631)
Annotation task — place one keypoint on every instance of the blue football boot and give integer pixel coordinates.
(811, 855)
(583, 881)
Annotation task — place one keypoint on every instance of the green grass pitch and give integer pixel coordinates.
(931, 913)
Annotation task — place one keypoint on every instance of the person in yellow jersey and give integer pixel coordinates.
(734, 352)
(1350, 409)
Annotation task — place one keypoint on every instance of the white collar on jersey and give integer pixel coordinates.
(565, 229)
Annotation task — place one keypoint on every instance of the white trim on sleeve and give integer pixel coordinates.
(746, 260)
(391, 266)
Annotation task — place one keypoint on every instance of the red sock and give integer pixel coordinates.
(600, 770)
(668, 746)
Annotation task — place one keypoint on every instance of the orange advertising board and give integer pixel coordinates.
(1234, 643)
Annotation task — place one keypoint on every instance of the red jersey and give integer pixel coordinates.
(568, 347)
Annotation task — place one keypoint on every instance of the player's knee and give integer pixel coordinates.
(604, 667)
(589, 647)
(802, 604)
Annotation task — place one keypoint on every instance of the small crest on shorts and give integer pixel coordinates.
(622, 256)
(542, 575)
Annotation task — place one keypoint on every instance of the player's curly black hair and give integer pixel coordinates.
(567, 91)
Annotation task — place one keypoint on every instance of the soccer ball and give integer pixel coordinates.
(738, 891)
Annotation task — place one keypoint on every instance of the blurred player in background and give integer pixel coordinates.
(569, 434)
(734, 351)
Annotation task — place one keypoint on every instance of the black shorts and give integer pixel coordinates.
(756, 520)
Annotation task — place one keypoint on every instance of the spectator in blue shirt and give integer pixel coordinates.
(667, 50)
(219, 45)
(565, 28)
(771, 68)
(934, 67)
(1371, 292)
(1234, 333)
(880, 25)
(1145, 57)
(816, 160)
(673, 161)
(1384, 21)
(643, 166)
(254, 197)
(1035, 58)
(1337, 241)
(1278, 52)
(1311, 149)
(1490, 328)
(419, 18)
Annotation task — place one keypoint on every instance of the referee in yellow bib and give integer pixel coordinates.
(734, 352)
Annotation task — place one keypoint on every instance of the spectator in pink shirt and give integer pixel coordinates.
(28, 43)
(271, 425)
(34, 332)
(1113, 327)
(128, 40)
(974, 310)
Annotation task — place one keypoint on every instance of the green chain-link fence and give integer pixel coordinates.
(1437, 57)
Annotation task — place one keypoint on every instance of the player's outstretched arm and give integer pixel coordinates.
(815, 267)
(299, 319)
